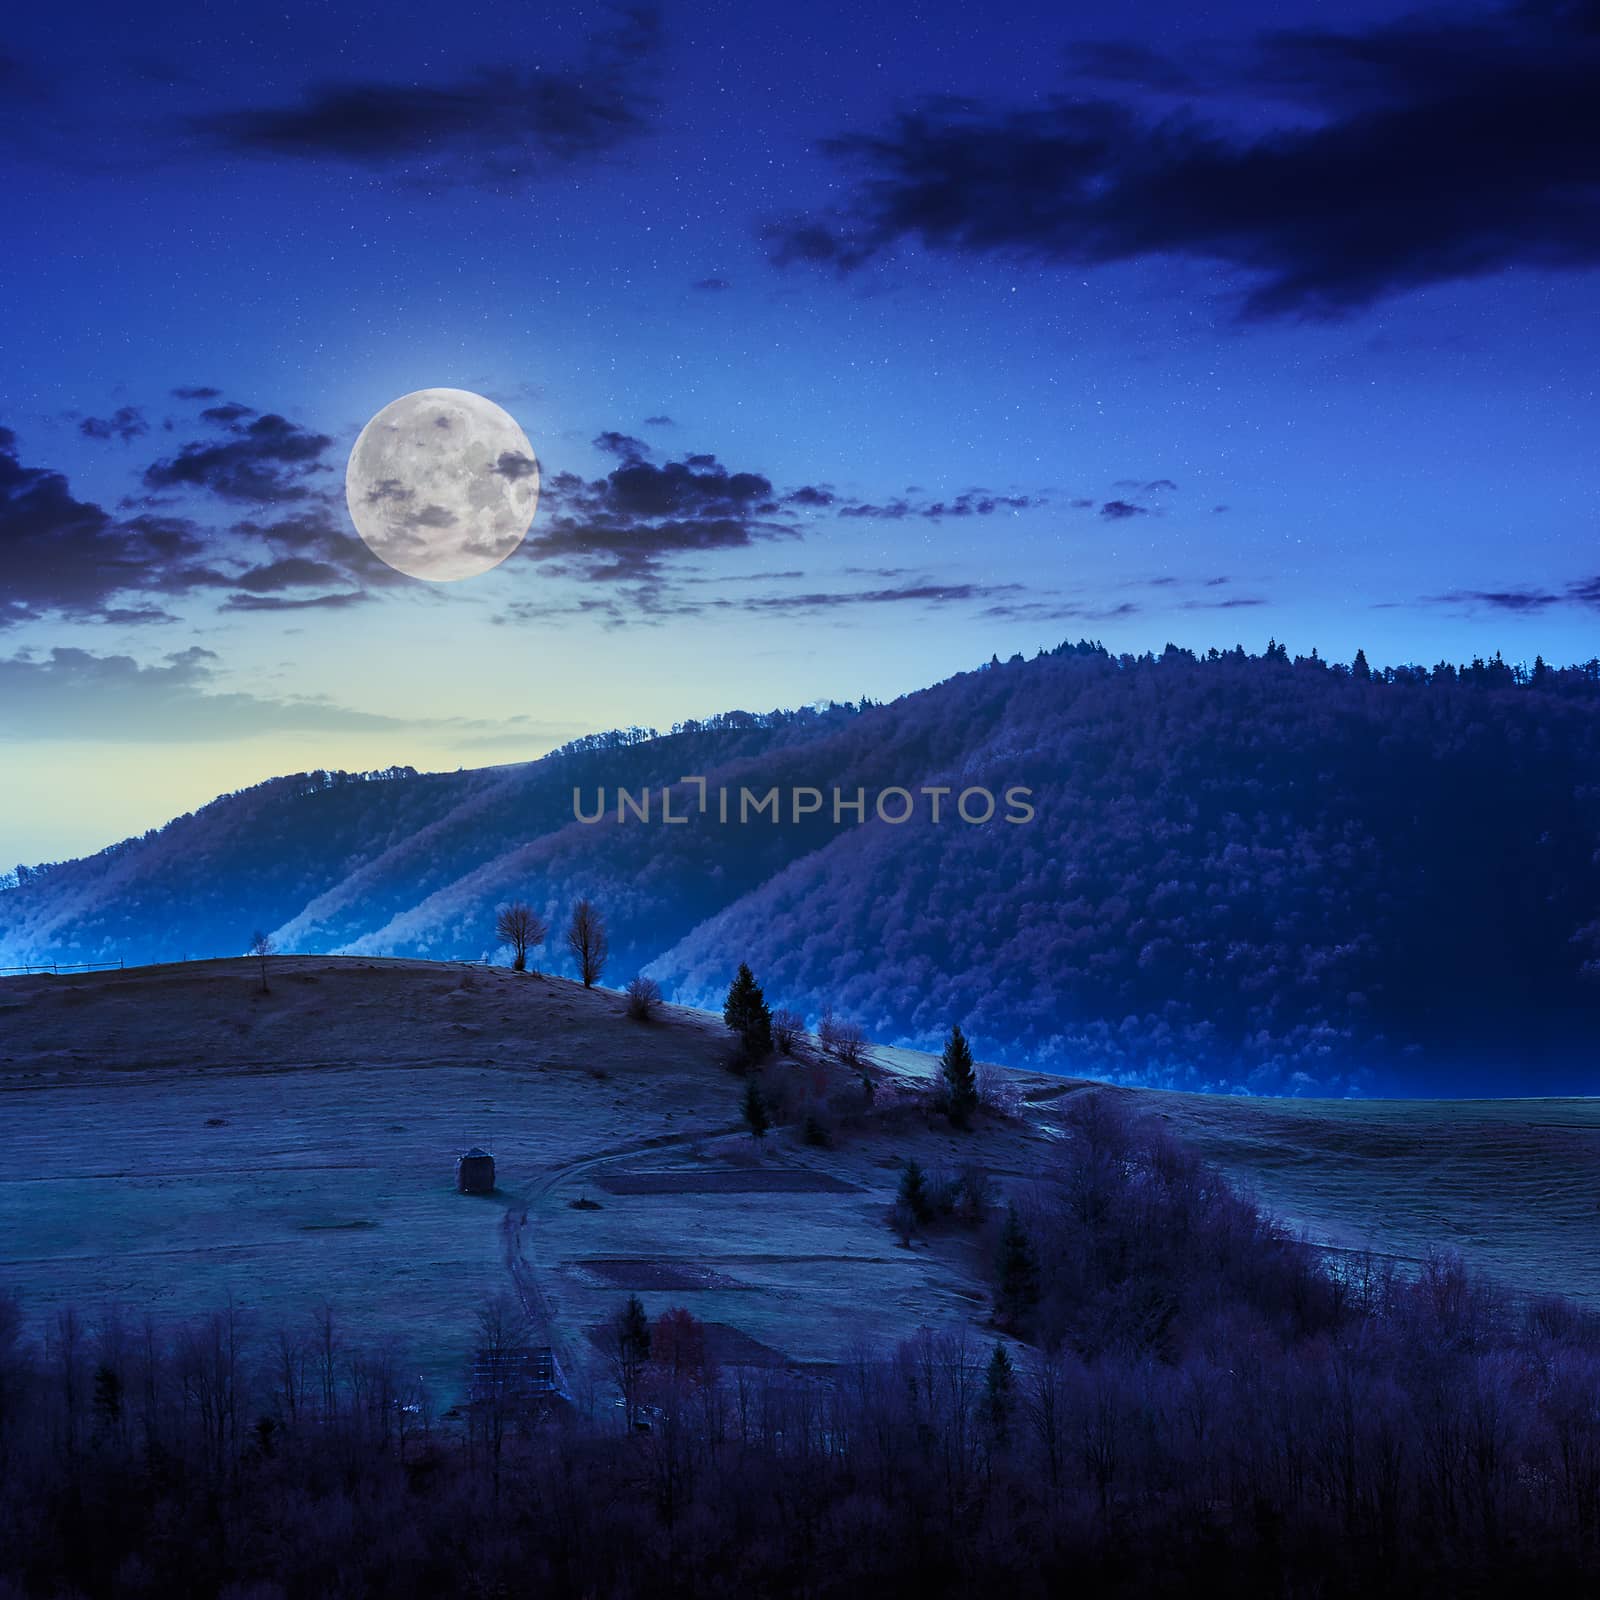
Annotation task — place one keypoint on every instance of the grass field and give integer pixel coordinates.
(174, 1137)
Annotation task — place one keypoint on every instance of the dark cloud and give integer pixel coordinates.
(1121, 510)
(712, 285)
(612, 443)
(811, 497)
(653, 604)
(1421, 151)
(927, 594)
(1134, 65)
(969, 503)
(1060, 611)
(265, 459)
(500, 125)
(1527, 600)
(199, 392)
(63, 556)
(622, 526)
(72, 557)
(274, 602)
(229, 412)
(125, 423)
(662, 421)
(1523, 600)
(288, 572)
(135, 616)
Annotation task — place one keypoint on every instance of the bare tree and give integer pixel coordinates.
(842, 1039)
(521, 927)
(586, 939)
(502, 1345)
(261, 946)
(787, 1028)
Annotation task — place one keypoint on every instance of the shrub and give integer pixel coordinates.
(644, 998)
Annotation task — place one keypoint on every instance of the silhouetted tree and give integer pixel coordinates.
(787, 1027)
(913, 1192)
(586, 939)
(842, 1039)
(261, 946)
(521, 927)
(960, 1081)
(1016, 1272)
(999, 1396)
(755, 1110)
(745, 1012)
(1359, 669)
(630, 1350)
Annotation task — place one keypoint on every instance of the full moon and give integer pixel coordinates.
(442, 484)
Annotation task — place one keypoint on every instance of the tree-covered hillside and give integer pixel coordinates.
(1241, 871)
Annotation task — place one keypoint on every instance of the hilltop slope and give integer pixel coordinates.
(176, 1137)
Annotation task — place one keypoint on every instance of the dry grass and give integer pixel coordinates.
(175, 1137)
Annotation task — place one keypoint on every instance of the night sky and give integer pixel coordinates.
(855, 343)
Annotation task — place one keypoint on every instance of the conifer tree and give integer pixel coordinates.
(960, 1081)
(999, 1384)
(755, 1110)
(630, 1351)
(1016, 1272)
(913, 1193)
(745, 1012)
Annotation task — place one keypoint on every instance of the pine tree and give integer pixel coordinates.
(961, 1083)
(755, 1110)
(1359, 670)
(745, 1012)
(1016, 1272)
(913, 1193)
(633, 1330)
(999, 1384)
(630, 1351)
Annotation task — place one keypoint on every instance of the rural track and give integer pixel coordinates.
(520, 1262)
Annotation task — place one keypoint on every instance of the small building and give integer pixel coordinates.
(475, 1172)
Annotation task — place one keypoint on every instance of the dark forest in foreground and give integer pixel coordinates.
(1193, 1398)
(1245, 871)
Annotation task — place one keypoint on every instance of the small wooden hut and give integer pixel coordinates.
(475, 1172)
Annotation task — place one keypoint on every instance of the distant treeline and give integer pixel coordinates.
(291, 784)
(1199, 1405)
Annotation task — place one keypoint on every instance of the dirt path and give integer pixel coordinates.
(515, 1232)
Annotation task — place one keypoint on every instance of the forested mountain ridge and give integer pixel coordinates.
(1241, 871)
